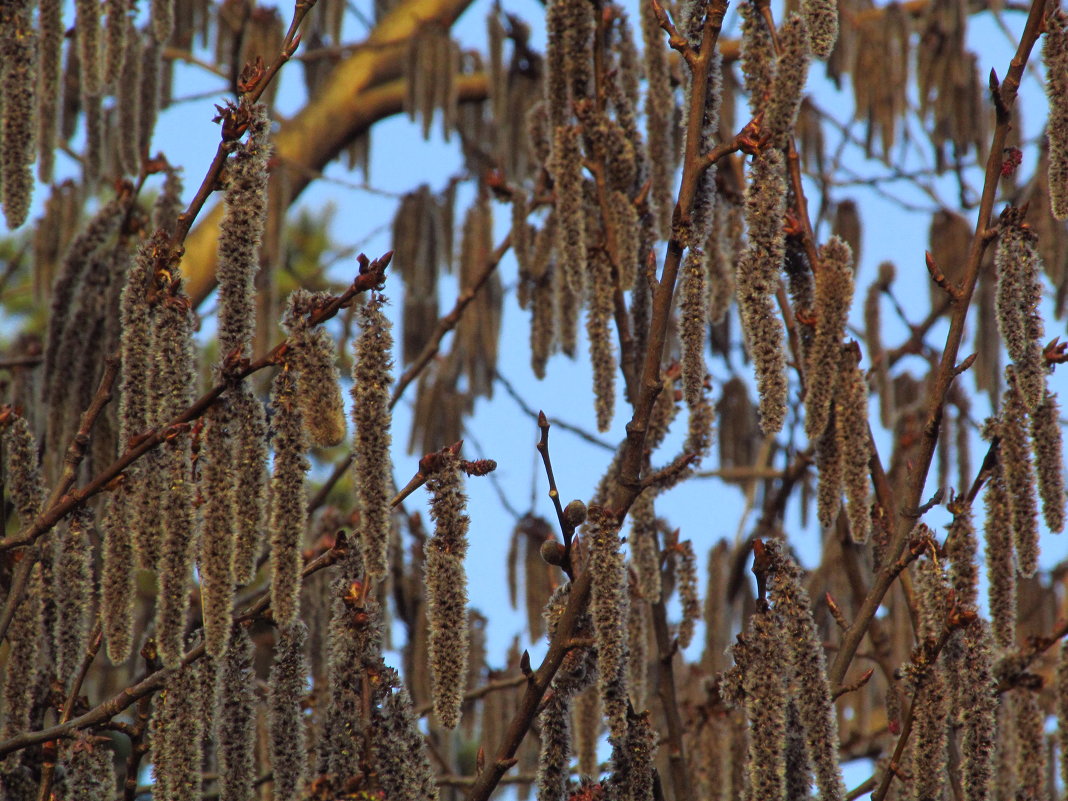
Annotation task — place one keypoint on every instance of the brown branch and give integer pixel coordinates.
(1005, 97)
(479, 692)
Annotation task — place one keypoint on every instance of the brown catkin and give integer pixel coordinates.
(1000, 569)
(118, 591)
(401, 751)
(218, 489)
(788, 85)
(22, 474)
(313, 354)
(20, 670)
(834, 294)
(554, 762)
(566, 169)
(173, 379)
(633, 772)
(49, 71)
(162, 20)
(73, 593)
(178, 730)
(129, 104)
(18, 99)
(659, 118)
(854, 443)
(686, 582)
(148, 103)
(599, 332)
(446, 587)
(1031, 731)
(758, 58)
(978, 712)
(371, 417)
(644, 553)
(693, 327)
(1019, 471)
(1061, 708)
(637, 647)
(609, 609)
(115, 40)
(289, 504)
(821, 16)
(87, 34)
(1019, 292)
(1055, 55)
(1049, 461)
(931, 726)
(235, 719)
(241, 233)
(757, 279)
(250, 423)
(962, 548)
(586, 723)
(829, 465)
(285, 695)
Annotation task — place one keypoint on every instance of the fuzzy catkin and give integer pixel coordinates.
(1061, 708)
(115, 39)
(313, 355)
(20, 671)
(555, 758)
(1000, 569)
(49, 71)
(1055, 56)
(805, 648)
(400, 750)
(659, 111)
(586, 723)
(693, 326)
(118, 590)
(250, 424)
(686, 583)
(757, 279)
(566, 169)
(446, 587)
(148, 103)
(173, 379)
(633, 771)
(289, 504)
(978, 712)
(371, 417)
(73, 593)
(762, 657)
(834, 294)
(217, 538)
(829, 465)
(285, 695)
(757, 57)
(89, 767)
(241, 234)
(18, 98)
(644, 554)
(1049, 461)
(129, 103)
(853, 444)
(178, 729)
(136, 342)
(931, 745)
(1019, 292)
(788, 85)
(599, 333)
(235, 719)
(1031, 731)
(821, 16)
(608, 603)
(22, 474)
(962, 548)
(1015, 460)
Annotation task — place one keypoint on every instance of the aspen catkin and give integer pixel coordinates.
(758, 57)
(834, 294)
(285, 695)
(118, 590)
(217, 538)
(50, 67)
(250, 422)
(313, 356)
(1055, 55)
(609, 609)
(289, 504)
(854, 445)
(693, 327)
(821, 16)
(599, 333)
(446, 586)
(371, 417)
(979, 712)
(686, 576)
(1019, 472)
(89, 766)
(1049, 461)
(1000, 570)
(566, 168)
(18, 98)
(788, 86)
(20, 674)
(235, 717)
(73, 593)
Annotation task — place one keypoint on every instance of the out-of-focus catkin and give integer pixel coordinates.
(1049, 461)
(758, 57)
(566, 168)
(1015, 460)
(285, 694)
(22, 474)
(49, 67)
(20, 672)
(235, 719)
(240, 236)
(289, 504)
(371, 417)
(853, 443)
(686, 583)
(250, 423)
(118, 591)
(73, 593)
(1018, 294)
(446, 586)
(18, 98)
(821, 16)
(1055, 55)
(609, 609)
(834, 294)
(599, 333)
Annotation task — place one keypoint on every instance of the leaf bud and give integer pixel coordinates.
(575, 513)
(553, 552)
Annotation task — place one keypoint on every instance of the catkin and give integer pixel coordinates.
(1015, 459)
(1061, 708)
(829, 465)
(853, 443)
(371, 417)
(962, 548)
(566, 169)
(20, 670)
(1055, 55)
(178, 729)
(285, 695)
(115, 40)
(250, 422)
(312, 355)
(235, 719)
(129, 103)
(1019, 292)
(89, 767)
(686, 581)
(644, 554)
(118, 590)
(599, 332)
(173, 379)
(400, 750)
(821, 16)
(586, 723)
(609, 608)
(633, 772)
(49, 72)
(762, 658)
(241, 234)
(758, 58)
(788, 85)
(73, 593)
(978, 712)
(148, 103)
(637, 647)
(18, 98)
(22, 474)
(555, 758)
(289, 504)
(931, 746)
(217, 539)
(692, 327)
(1049, 461)
(757, 278)
(1000, 569)
(834, 294)
(659, 118)
(446, 587)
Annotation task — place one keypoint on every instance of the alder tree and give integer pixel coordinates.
(215, 583)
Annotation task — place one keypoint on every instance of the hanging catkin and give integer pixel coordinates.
(1049, 461)
(821, 16)
(686, 578)
(979, 712)
(834, 294)
(693, 327)
(73, 593)
(18, 98)
(118, 590)
(599, 332)
(289, 504)
(446, 586)
(250, 423)
(312, 354)
(89, 764)
(285, 695)
(241, 233)
(217, 539)
(758, 58)
(566, 168)
(20, 671)
(609, 608)
(371, 417)
(129, 103)
(1015, 460)
(659, 113)
(49, 71)
(853, 442)
(1000, 568)
(235, 718)
(1055, 55)
(788, 85)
